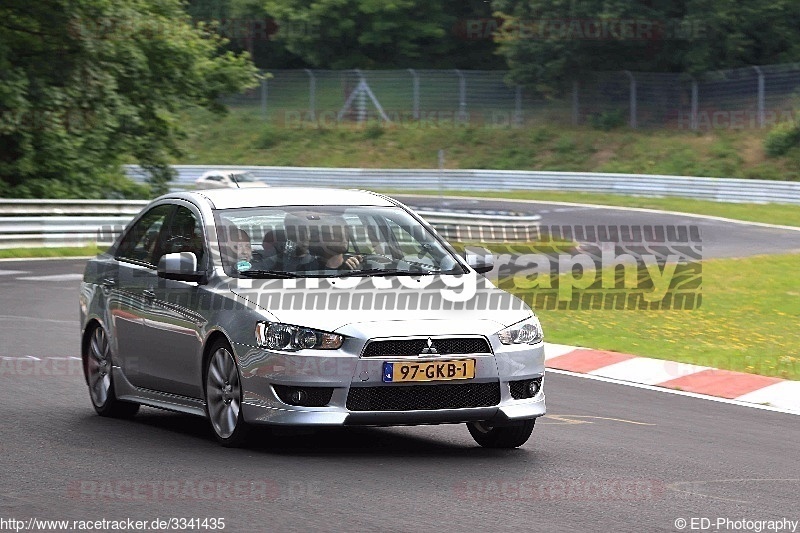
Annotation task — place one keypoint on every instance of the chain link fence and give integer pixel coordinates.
(753, 97)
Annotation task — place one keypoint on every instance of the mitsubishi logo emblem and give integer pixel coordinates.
(430, 349)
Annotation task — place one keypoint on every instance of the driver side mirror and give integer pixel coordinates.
(180, 266)
(480, 259)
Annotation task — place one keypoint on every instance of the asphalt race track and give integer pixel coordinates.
(719, 238)
(607, 457)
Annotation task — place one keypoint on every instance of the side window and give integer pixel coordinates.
(184, 234)
(141, 242)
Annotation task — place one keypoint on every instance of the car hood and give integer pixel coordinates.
(431, 304)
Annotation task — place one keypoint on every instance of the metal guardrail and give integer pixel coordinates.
(52, 228)
(25, 207)
(718, 189)
(50, 231)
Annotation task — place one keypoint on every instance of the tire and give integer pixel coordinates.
(223, 391)
(512, 436)
(99, 377)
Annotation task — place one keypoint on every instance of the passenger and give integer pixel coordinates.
(328, 241)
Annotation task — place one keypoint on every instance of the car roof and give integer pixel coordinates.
(282, 196)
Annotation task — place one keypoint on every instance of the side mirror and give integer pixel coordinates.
(480, 259)
(180, 266)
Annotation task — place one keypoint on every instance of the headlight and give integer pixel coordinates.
(277, 336)
(529, 331)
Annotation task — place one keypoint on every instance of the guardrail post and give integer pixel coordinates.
(633, 123)
(414, 93)
(312, 95)
(760, 103)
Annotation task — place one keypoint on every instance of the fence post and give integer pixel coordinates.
(312, 95)
(264, 98)
(518, 106)
(414, 93)
(693, 125)
(760, 103)
(575, 103)
(362, 99)
(462, 95)
(633, 99)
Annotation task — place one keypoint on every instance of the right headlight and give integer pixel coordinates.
(288, 338)
(529, 331)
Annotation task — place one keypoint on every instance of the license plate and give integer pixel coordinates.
(429, 371)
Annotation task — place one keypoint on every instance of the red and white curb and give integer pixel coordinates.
(751, 388)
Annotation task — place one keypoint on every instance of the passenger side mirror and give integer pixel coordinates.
(479, 258)
(180, 266)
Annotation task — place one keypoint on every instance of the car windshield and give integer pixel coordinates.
(243, 177)
(330, 241)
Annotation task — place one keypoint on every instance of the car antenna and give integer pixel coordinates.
(233, 177)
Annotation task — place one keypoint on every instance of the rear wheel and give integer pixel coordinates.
(512, 436)
(97, 367)
(224, 397)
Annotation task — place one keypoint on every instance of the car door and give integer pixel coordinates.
(174, 323)
(128, 301)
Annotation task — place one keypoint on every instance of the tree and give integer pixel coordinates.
(360, 33)
(548, 43)
(89, 84)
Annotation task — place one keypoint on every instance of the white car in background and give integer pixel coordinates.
(228, 179)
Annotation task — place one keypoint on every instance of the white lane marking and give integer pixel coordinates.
(12, 272)
(647, 370)
(38, 319)
(676, 392)
(25, 357)
(27, 259)
(54, 277)
(785, 395)
(602, 206)
(554, 350)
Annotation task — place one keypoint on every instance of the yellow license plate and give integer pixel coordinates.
(429, 371)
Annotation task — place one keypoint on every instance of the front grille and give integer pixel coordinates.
(445, 346)
(314, 396)
(423, 397)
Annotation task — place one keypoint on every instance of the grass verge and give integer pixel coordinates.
(747, 321)
(66, 251)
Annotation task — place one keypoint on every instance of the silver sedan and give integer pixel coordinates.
(306, 307)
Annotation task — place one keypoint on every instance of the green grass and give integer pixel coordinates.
(66, 251)
(782, 214)
(244, 137)
(748, 321)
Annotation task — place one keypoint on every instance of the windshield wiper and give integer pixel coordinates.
(385, 272)
(280, 274)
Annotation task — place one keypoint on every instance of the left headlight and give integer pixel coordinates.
(529, 331)
(288, 338)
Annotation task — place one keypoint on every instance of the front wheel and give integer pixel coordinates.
(224, 397)
(512, 436)
(97, 368)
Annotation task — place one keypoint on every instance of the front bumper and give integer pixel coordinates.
(343, 370)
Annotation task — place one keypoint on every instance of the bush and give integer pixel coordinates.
(607, 120)
(781, 139)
